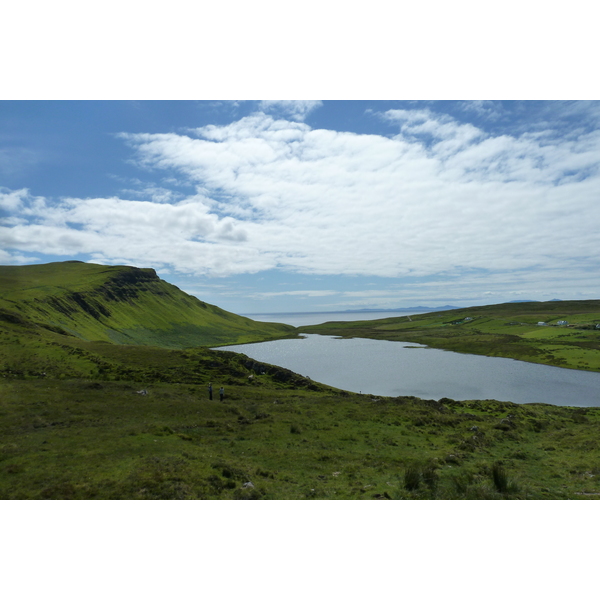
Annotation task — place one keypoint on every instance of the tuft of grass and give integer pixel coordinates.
(418, 474)
(499, 478)
(412, 478)
(502, 483)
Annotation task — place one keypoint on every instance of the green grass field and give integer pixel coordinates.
(507, 330)
(273, 439)
(85, 417)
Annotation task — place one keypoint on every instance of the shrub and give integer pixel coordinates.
(421, 472)
(461, 483)
(219, 484)
(412, 478)
(500, 478)
(430, 477)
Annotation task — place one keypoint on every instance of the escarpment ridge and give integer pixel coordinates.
(119, 304)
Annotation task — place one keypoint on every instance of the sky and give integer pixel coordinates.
(291, 206)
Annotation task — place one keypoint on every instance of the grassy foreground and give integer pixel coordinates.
(278, 436)
(509, 330)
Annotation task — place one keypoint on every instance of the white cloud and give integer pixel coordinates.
(154, 193)
(183, 235)
(12, 200)
(414, 123)
(440, 198)
(6, 258)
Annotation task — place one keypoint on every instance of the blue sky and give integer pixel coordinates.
(276, 206)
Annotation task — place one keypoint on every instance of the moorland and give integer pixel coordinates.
(557, 333)
(103, 395)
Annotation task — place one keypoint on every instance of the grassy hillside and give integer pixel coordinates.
(275, 436)
(123, 305)
(84, 417)
(509, 330)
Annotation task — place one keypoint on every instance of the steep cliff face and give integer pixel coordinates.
(125, 284)
(119, 304)
(128, 283)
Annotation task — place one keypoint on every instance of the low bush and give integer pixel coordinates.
(412, 478)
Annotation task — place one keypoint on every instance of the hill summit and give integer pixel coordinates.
(119, 304)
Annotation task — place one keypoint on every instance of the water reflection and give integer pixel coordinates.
(407, 369)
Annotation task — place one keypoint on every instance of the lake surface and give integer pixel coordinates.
(407, 369)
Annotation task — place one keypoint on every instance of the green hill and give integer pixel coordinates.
(118, 304)
(559, 333)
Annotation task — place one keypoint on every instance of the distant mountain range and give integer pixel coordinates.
(407, 309)
(432, 308)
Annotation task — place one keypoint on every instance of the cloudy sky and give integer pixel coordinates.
(276, 206)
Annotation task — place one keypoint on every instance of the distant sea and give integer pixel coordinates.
(316, 318)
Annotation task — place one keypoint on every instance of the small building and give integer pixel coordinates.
(542, 324)
(562, 322)
(598, 326)
(468, 318)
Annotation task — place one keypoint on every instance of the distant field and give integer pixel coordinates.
(507, 330)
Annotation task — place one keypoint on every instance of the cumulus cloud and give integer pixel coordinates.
(184, 236)
(8, 258)
(154, 193)
(438, 198)
(419, 123)
(11, 200)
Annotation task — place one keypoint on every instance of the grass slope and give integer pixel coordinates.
(119, 304)
(509, 330)
(277, 436)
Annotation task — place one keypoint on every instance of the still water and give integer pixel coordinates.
(406, 369)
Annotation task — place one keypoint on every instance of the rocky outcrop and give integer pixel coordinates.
(280, 374)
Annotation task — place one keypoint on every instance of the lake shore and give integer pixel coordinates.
(397, 368)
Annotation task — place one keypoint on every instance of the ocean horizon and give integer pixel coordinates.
(298, 319)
